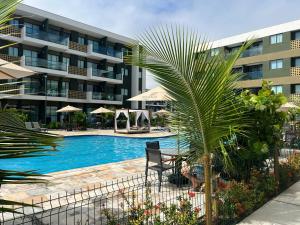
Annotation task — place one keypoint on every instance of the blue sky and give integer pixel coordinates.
(213, 18)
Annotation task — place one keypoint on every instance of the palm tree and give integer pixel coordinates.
(15, 140)
(203, 87)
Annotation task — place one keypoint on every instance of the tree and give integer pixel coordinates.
(202, 85)
(15, 140)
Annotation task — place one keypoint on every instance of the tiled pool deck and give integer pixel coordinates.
(86, 177)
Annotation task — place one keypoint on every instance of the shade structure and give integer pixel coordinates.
(155, 94)
(10, 70)
(69, 108)
(287, 106)
(101, 110)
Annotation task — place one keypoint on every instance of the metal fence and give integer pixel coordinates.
(94, 205)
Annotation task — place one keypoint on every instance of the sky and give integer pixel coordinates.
(213, 19)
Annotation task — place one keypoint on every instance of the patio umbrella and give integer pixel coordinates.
(69, 109)
(10, 70)
(155, 94)
(287, 106)
(101, 110)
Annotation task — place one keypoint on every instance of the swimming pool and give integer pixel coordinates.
(83, 151)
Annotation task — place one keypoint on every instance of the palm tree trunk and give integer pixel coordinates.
(276, 168)
(208, 201)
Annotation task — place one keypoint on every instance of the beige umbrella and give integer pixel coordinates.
(101, 110)
(69, 108)
(155, 94)
(163, 112)
(10, 70)
(287, 106)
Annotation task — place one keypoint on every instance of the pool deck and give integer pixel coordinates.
(152, 134)
(68, 180)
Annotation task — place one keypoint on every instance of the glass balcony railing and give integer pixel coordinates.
(106, 74)
(108, 51)
(46, 36)
(253, 75)
(44, 63)
(106, 96)
(252, 52)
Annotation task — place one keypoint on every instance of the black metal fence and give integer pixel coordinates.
(114, 199)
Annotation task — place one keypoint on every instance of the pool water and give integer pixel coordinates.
(83, 151)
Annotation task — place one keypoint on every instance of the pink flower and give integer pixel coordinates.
(191, 194)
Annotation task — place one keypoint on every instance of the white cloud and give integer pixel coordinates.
(214, 19)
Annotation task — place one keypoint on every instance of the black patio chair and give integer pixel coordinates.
(154, 156)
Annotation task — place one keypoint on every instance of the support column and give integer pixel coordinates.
(143, 86)
(134, 82)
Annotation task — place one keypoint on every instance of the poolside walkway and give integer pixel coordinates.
(282, 210)
(152, 134)
(68, 180)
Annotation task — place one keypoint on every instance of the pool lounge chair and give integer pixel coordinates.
(36, 126)
(28, 125)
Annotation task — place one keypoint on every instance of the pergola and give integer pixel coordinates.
(132, 129)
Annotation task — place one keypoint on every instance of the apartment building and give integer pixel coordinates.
(75, 64)
(274, 56)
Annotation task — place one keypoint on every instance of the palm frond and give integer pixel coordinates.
(203, 86)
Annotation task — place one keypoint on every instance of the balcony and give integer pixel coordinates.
(77, 47)
(46, 36)
(77, 71)
(44, 63)
(294, 98)
(295, 71)
(253, 75)
(108, 51)
(77, 94)
(8, 58)
(252, 51)
(11, 31)
(106, 74)
(295, 44)
(106, 96)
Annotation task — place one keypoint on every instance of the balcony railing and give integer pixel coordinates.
(46, 36)
(252, 52)
(295, 44)
(8, 58)
(9, 89)
(106, 96)
(77, 94)
(44, 63)
(77, 70)
(106, 74)
(295, 71)
(108, 51)
(294, 98)
(11, 31)
(78, 47)
(253, 75)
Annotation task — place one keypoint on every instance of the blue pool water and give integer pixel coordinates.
(77, 152)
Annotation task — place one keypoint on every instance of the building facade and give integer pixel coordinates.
(75, 64)
(274, 56)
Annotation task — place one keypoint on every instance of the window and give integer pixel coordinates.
(31, 58)
(66, 61)
(13, 51)
(81, 40)
(52, 61)
(52, 87)
(215, 52)
(297, 35)
(51, 114)
(80, 63)
(297, 89)
(80, 87)
(64, 89)
(275, 39)
(124, 91)
(140, 75)
(14, 22)
(32, 29)
(126, 72)
(277, 89)
(276, 64)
